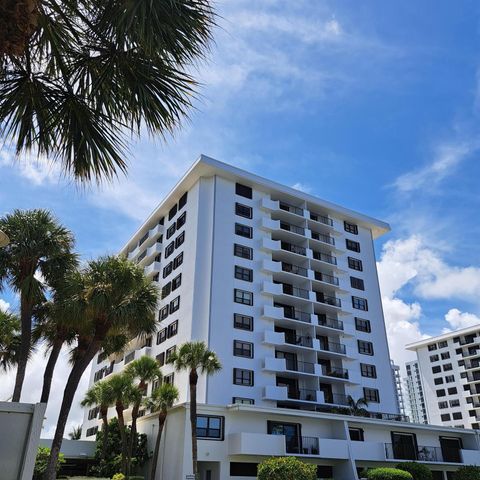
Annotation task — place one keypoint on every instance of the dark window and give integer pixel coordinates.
(442, 405)
(357, 283)
(158, 258)
(243, 190)
(243, 210)
(183, 201)
(242, 251)
(243, 377)
(371, 395)
(91, 431)
(176, 282)
(440, 393)
(367, 370)
(172, 329)
(163, 313)
(457, 415)
(243, 230)
(160, 358)
(242, 322)
(434, 358)
(360, 303)
(449, 378)
(181, 220)
(445, 355)
(180, 239)
(447, 367)
(210, 427)
(167, 288)
(172, 212)
(178, 260)
(171, 230)
(432, 346)
(169, 378)
(438, 381)
(169, 249)
(455, 403)
(242, 273)
(243, 401)
(167, 270)
(362, 325)
(366, 348)
(170, 352)
(243, 469)
(161, 336)
(442, 344)
(452, 391)
(356, 434)
(350, 228)
(174, 304)
(242, 349)
(445, 417)
(161, 221)
(355, 264)
(243, 297)
(436, 369)
(352, 245)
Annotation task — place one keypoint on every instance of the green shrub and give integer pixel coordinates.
(388, 474)
(41, 462)
(118, 476)
(417, 470)
(136, 477)
(468, 472)
(286, 468)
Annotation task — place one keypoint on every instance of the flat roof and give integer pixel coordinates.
(206, 166)
(444, 336)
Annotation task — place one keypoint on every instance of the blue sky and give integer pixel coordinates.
(373, 105)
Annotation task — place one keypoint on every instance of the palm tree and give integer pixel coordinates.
(9, 340)
(194, 356)
(76, 433)
(145, 369)
(358, 407)
(161, 400)
(101, 394)
(78, 80)
(39, 250)
(110, 302)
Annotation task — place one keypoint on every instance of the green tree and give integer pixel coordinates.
(76, 433)
(78, 79)
(10, 340)
(194, 357)
(40, 250)
(286, 468)
(110, 302)
(43, 454)
(144, 370)
(386, 473)
(161, 400)
(467, 472)
(417, 470)
(357, 407)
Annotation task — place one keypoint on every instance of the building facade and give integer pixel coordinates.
(415, 398)
(397, 379)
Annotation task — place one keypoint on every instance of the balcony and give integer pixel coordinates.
(335, 372)
(320, 237)
(293, 313)
(303, 394)
(297, 270)
(330, 322)
(333, 347)
(245, 443)
(335, 399)
(290, 208)
(302, 445)
(316, 217)
(325, 278)
(422, 453)
(301, 367)
(292, 228)
(288, 289)
(289, 247)
(300, 341)
(324, 257)
(152, 268)
(328, 299)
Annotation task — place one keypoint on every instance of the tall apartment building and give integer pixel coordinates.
(283, 287)
(449, 366)
(415, 398)
(397, 379)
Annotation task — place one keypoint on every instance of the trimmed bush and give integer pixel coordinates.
(416, 470)
(118, 476)
(388, 474)
(286, 468)
(468, 472)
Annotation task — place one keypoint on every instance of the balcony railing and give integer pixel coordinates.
(142, 256)
(333, 347)
(323, 277)
(335, 372)
(323, 257)
(291, 208)
(329, 300)
(336, 398)
(295, 291)
(296, 366)
(330, 322)
(292, 228)
(301, 341)
(323, 238)
(293, 248)
(422, 453)
(302, 445)
(288, 267)
(302, 394)
(396, 417)
(294, 314)
(321, 218)
(129, 357)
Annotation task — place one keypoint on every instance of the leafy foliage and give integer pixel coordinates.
(76, 433)
(286, 468)
(9, 340)
(118, 476)
(385, 473)
(468, 472)
(417, 470)
(41, 461)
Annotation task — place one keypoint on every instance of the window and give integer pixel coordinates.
(351, 245)
(242, 349)
(355, 264)
(371, 395)
(178, 260)
(434, 358)
(366, 348)
(161, 336)
(243, 210)
(442, 405)
(454, 403)
(445, 355)
(181, 220)
(158, 258)
(452, 391)
(172, 212)
(180, 239)
(169, 249)
(362, 325)
(171, 230)
(368, 371)
(440, 393)
(242, 251)
(449, 378)
(170, 378)
(243, 190)
(243, 377)
(360, 303)
(160, 358)
(442, 344)
(176, 282)
(357, 283)
(242, 273)
(242, 322)
(210, 427)
(350, 228)
(356, 434)
(243, 230)
(243, 297)
(91, 431)
(93, 413)
(174, 304)
(163, 313)
(436, 369)
(447, 367)
(167, 288)
(183, 201)
(170, 352)
(445, 417)
(438, 381)
(243, 469)
(243, 401)
(101, 357)
(167, 270)
(457, 415)
(172, 329)
(432, 346)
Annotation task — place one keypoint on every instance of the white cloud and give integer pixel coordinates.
(458, 319)
(4, 306)
(302, 187)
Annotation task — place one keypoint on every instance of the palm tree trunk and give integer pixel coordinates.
(162, 416)
(193, 378)
(133, 436)
(123, 435)
(80, 365)
(49, 368)
(104, 434)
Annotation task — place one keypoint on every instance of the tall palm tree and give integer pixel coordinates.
(101, 394)
(161, 400)
(192, 357)
(358, 407)
(39, 250)
(76, 433)
(111, 302)
(144, 370)
(78, 79)
(9, 340)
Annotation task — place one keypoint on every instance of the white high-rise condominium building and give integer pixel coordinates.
(283, 287)
(397, 379)
(449, 366)
(415, 397)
